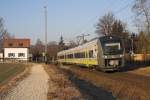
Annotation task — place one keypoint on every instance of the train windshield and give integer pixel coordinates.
(112, 46)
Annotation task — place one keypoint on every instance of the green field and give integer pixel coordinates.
(8, 70)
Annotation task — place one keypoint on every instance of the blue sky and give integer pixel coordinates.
(70, 18)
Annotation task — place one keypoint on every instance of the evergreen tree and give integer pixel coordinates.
(61, 43)
(119, 29)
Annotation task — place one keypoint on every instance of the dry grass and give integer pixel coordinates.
(60, 87)
(123, 89)
(142, 71)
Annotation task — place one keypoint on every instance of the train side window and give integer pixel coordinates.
(67, 56)
(62, 57)
(77, 55)
(70, 56)
(80, 55)
(91, 54)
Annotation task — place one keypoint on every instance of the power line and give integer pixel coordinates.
(133, 16)
(45, 8)
(124, 7)
(82, 37)
(117, 12)
(95, 17)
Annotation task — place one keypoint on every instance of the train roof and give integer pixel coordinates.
(90, 43)
(107, 38)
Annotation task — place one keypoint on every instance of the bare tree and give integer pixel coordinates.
(2, 31)
(1, 27)
(109, 25)
(141, 8)
(4, 34)
(104, 26)
(53, 49)
(72, 44)
(37, 50)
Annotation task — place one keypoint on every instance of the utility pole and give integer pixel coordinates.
(132, 43)
(82, 37)
(45, 10)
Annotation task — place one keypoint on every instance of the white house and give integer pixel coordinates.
(1, 57)
(16, 49)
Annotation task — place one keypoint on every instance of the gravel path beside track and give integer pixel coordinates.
(33, 87)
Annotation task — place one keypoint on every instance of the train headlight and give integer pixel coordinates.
(104, 56)
(121, 55)
(114, 62)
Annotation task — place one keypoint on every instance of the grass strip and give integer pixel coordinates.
(9, 70)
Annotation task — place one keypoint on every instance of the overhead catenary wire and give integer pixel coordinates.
(91, 20)
(124, 7)
(115, 13)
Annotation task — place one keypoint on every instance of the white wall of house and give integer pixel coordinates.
(16, 53)
(1, 56)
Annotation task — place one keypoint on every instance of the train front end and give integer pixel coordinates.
(111, 53)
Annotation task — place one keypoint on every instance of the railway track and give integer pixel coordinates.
(123, 85)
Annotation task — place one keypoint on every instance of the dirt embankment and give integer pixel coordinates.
(10, 83)
(123, 85)
(60, 88)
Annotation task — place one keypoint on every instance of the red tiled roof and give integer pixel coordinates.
(16, 43)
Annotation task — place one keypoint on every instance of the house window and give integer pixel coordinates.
(20, 44)
(11, 54)
(10, 44)
(21, 54)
